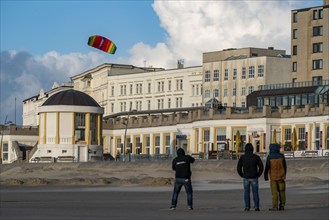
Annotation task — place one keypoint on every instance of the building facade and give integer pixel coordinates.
(141, 90)
(310, 43)
(230, 75)
(199, 131)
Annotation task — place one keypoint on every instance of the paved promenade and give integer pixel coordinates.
(134, 202)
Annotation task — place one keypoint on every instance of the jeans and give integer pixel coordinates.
(254, 186)
(179, 182)
(278, 187)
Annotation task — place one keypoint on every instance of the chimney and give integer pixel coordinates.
(180, 64)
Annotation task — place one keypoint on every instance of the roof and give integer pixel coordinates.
(71, 97)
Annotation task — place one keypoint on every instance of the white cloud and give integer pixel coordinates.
(194, 27)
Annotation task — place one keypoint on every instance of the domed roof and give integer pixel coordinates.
(71, 97)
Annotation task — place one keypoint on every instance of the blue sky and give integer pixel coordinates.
(43, 42)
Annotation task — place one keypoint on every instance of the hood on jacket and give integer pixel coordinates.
(249, 148)
(274, 148)
(180, 152)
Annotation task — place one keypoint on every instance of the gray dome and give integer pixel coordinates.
(71, 97)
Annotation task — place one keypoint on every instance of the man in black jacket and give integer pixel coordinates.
(182, 168)
(250, 168)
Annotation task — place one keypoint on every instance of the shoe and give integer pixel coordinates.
(281, 208)
(172, 208)
(273, 209)
(247, 209)
(190, 208)
(257, 209)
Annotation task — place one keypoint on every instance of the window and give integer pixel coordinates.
(234, 73)
(260, 70)
(112, 91)
(317, 64)
(216, 75)
(5, 151)
(315, 14)
(321, 14)
(317, 48)
(318, 31)
(179, 84)
(169, 85)
(157, 140)
(251, 71)
(169, 102)
(243, 74)
(251, 89)
(148, 104)
(301, 133)
(225, 93)
(207, 93)
(234, 92)
(287, 134)
(226, 74)
(294, 34)
(294, 17)
(206, 135)
(294, 66)
(131, 89)
(112, 107)
(159, 86)
(243, 91)
(167, 140)
(294, 50)
(79, 126)
(221, 134)
(216, 92)
(243, 104)
(207, 76)
(149, 88)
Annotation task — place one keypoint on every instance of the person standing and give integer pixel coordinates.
(277, 168)
(182, 168)
(250, 168)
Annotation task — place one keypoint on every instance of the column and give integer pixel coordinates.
(151, 144)
(162, 144)
(172, 143)
(200, 141)
(212, 138)
(87, 131)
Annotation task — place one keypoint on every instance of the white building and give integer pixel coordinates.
(70, 127)
(117, 90)
(230, 75)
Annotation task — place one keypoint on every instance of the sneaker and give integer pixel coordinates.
(281, 208)
(273, 209)
(257, 209)
(190, 208)
(172, 208)
(246, 209)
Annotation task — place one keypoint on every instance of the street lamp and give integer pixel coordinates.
(126, 128)
(2, 131)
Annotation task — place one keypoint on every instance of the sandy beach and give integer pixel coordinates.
(141, 190)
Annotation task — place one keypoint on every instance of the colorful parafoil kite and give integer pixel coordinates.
(102, 43)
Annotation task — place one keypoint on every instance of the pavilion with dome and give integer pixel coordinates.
(70, 127)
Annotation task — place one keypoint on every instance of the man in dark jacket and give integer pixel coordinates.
(182, 168)
(250, 168)
(277, 167)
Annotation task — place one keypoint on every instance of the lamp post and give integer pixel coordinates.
(126, 128)
(2, 131)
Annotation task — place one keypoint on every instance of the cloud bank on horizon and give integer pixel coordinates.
(191, 29)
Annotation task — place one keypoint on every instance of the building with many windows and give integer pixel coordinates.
(310, 43)
(143, 90)
(230, 75)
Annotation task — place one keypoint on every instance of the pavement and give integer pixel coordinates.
(135, 202)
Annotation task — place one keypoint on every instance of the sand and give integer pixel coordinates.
(205, 174)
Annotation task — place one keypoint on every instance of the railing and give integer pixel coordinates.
(293, 85)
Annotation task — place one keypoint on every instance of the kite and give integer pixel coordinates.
(102, 43)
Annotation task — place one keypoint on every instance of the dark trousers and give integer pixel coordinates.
(179, 182)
